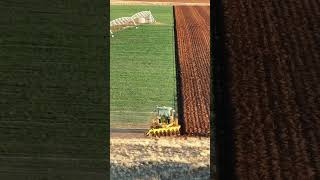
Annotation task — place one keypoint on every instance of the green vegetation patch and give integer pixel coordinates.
(142, 70)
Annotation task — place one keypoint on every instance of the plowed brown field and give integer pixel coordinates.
(193, 41)
(273, 83)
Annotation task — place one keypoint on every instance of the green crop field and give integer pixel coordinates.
(142, 67)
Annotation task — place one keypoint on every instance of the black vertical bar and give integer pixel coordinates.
(221, 125)
(107, 81)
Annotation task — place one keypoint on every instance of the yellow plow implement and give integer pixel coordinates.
(166, 131)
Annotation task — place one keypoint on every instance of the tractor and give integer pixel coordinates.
(164, 122)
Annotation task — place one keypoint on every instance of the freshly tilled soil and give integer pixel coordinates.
(192, 25)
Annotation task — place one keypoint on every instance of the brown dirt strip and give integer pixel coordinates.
(273, 81)
(193, 41)
(127, 133)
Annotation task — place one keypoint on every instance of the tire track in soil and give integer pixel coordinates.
(193, 41)
(273, 61)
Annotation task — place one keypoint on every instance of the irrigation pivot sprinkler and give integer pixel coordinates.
(143, 17)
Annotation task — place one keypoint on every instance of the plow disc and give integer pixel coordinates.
(168, 131)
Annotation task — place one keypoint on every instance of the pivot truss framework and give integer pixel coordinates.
(143, 17)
